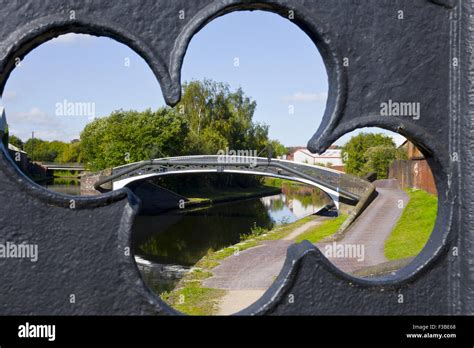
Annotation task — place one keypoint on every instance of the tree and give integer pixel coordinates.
(70, 154)
(130, 136)
(219, 118)
(53, 151)
(364, 153)
(15, 141)
(379, 158)
(278, 148)
(210, 117)
(39, 150)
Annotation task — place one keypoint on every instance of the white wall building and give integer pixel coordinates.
(331, 156)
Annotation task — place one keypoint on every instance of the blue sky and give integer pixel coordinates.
(279, 66)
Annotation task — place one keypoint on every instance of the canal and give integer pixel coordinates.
(167, 245)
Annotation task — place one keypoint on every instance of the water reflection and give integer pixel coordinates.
(66, 186)
(184, 237)
(187, 236)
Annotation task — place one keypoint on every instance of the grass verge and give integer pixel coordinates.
(193, 299)
(414, 226)
(323, 230)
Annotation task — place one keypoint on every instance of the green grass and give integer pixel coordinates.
(66, 174)
(193, 299)
(323, 230)
(414, 226)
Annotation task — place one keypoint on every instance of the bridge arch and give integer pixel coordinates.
(332, 194)
(340, 187)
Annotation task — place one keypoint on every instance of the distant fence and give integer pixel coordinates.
(413, 173)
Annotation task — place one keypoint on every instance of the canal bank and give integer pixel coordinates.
(232, 278)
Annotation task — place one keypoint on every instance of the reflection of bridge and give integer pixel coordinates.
(339, 186)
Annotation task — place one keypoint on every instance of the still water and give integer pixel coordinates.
(66, 186)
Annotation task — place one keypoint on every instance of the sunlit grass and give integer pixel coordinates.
(414, 227)
(325, 229)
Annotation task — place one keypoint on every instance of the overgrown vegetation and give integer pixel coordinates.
(278, 182)
(192, 298)
(414, 226)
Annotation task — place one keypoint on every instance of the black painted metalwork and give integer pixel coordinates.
(372, 56)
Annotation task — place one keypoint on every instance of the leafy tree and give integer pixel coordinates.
(70, 154)
(219, 118)
(278, 148)
(15, 141)
(52, 151)
(210, 117)
(39, 150)
(130, 136)
(364, 153)
(379, 158)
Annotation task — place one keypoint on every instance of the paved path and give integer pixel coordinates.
(236, 300)
(371, 229)
(251, 269)
(246, 276)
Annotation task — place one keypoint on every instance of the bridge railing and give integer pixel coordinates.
(348, 186)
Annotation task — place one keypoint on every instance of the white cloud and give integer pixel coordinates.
(71, 37)
(34, 117)
(44, 134)
(45, 126)
(303, 97)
